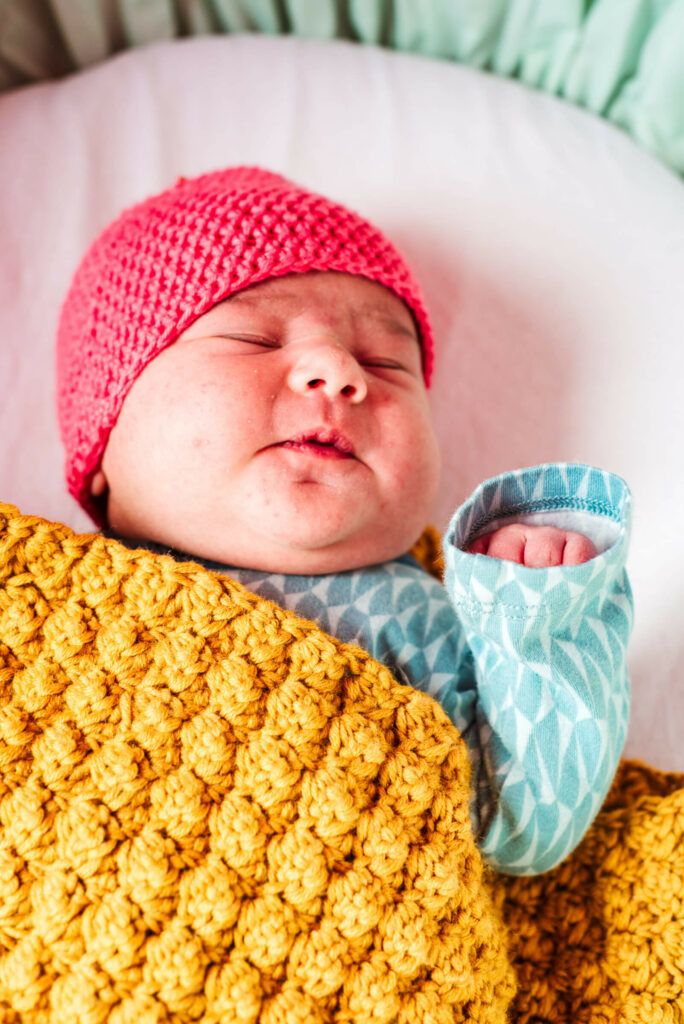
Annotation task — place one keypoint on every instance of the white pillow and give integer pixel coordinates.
(548, 245)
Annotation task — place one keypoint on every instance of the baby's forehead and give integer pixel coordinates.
(330, 292)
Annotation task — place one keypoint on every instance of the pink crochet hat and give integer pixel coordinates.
(166, 261)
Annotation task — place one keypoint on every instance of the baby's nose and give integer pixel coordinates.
(330, 369)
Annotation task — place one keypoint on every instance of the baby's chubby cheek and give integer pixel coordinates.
(416, 475)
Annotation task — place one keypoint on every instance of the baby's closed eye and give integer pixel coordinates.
(244, 341)
(378, 363)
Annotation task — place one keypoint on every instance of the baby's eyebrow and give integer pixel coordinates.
(285, 297)
(392, 324)
(389, 322)
(251, 297)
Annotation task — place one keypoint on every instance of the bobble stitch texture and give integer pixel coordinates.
(211, 811)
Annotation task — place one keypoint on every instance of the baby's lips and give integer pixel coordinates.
(325, 438)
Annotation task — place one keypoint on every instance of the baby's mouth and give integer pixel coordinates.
(322, 443)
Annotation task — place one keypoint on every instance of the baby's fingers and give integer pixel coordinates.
(537, 547)
(507, 543)
(545, 546)
(578, 549)
(548, 545)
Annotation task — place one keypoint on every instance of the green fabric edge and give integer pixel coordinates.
(621, 59)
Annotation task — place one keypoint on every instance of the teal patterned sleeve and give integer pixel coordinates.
(547, 649)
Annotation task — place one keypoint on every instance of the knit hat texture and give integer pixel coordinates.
(167, 260)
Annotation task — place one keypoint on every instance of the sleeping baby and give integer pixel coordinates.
(242, 371)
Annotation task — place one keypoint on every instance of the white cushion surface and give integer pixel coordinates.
(548, 245)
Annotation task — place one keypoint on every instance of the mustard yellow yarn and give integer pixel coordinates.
(600, 940)
(211, 811)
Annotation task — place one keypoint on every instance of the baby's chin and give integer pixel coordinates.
(299, 556)
(304, 544)
(312, 561)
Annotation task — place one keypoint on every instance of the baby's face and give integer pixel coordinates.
(287, 429)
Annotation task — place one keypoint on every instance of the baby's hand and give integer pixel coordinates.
(536, 547)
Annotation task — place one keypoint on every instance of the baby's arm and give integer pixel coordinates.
(547, 656)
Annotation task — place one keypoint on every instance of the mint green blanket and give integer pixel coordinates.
(621, 59)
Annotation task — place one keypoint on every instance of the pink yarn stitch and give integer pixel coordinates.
(167, 260)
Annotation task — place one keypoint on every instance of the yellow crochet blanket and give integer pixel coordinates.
(212, 811)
